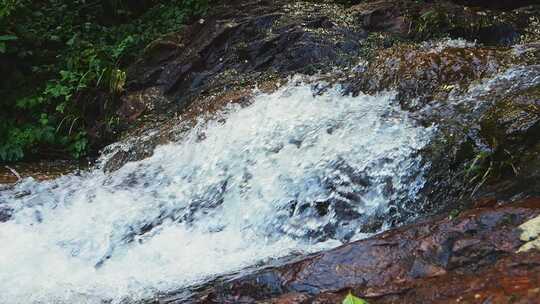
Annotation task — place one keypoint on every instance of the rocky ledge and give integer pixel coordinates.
(485, 255)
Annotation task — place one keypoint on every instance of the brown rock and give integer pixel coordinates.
(469, 259)
(382, 16)
(498, 4)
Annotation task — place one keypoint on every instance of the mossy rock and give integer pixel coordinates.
(489, 27)
(426, 74)
(511, 130)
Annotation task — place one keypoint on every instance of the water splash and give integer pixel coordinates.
(437, 46)
(293, 171)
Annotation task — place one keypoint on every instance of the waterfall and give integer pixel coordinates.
(293, 172)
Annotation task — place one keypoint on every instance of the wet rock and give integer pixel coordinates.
(500, 4)
(503, 148)
(132, 149)
(469, 258)
(245, 42)
(134, 104)
(503, 34)
(382, 16)
(5, 214)
(489, 27)
(40, 170)
(485, 106)
(436, 19)
(424, 73)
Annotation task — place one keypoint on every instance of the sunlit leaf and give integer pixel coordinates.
(350, 299)
(8, 37)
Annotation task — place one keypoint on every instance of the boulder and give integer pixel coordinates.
(243, 43)
(499, 4)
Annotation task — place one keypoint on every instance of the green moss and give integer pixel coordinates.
(510, 147)
(416, 71)
(444, 19)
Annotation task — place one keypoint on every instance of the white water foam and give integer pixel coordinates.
(437, 46)
(233, 193)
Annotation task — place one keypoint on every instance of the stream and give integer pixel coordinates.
(295, 171)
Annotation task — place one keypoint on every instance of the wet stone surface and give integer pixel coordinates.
(42, 170)
(468, 258)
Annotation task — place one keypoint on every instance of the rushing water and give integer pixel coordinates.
(292, 172)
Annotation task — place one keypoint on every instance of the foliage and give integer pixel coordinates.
(350, 299)
(489, 165)
(63, 68)
(441, 20)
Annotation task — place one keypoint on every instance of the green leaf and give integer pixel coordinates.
(61, 107)
(8, 37)
(44, 119)
(71, 41)
(350, 299)
(2, 47)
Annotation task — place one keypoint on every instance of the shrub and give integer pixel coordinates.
(62, 66)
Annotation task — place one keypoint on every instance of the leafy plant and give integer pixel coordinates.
(431, 19)
(489, 164)
(64, 61)
(8, 6)
(3, 42)
(351, 299)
